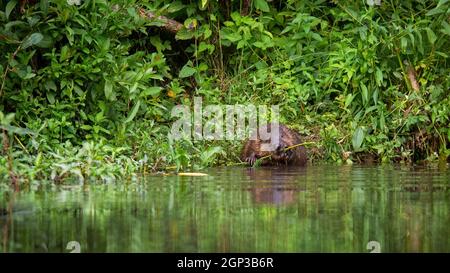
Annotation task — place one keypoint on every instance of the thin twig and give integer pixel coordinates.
(7, 69)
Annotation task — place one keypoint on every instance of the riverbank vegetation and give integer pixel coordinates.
(87, 86)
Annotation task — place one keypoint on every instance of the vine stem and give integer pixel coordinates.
(7, 69)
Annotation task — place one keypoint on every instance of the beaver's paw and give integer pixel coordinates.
(251, 159)
(289, 154)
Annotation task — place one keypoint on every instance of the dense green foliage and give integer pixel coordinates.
(87, 90)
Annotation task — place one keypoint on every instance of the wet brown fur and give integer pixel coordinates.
(295, 156)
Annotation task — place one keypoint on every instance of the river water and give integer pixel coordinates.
(321, 208)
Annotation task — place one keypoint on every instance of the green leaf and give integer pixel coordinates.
(208, 155)
(403, 43)
(187, 71)
(382, 123)
(348, 100)
(46, 42)
(446, 29)
(438, 9)
(6, 120)
(259, 44)
(375, 96)
(379, 76)
(241, 44)
(133, 112)
(207, 33)
(203, 4)
(233, 36)
(151, 91)
(184, 34)
(43, 5)
(175, 6)
(431, 36)
(64, 53)
(358, 137)
(9, 7)
(109, 94)
(17, 130)
(434, 11)
(31, 40)
(442, 54)
(420, 44)
(364, 93)
(51, 97)
(262, 5)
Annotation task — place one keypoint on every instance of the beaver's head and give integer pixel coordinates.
(281, 154)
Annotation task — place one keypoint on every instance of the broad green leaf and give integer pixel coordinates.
(434, 11)
(31, 40)
(259, 44)
(175, 6)
(241, 44)
(208, 155)
(9, 7)
(348, 100)
(233, 36)
(379, 76)
(133, 112)
(375, 96)
(46, 42)
(446, 29)
(184, 34)
(64, 53)
(151, 91)
(438, 9)
(364, 93)
(6, 120)
(442, 54)
(431, 36)
(203, 4)
(202, 47)
(262, 5)
(51, 97)
(17, 130)
(109, 94)
(420, 43)
(207, 33)
(316, 37)
(382, 122)
(403, 43)
(132, 12)
(358, 137)
(43, 5)
(187, 71)
(13, 24)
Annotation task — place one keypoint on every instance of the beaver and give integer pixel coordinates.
(287, 137)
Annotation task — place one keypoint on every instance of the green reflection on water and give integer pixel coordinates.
(321, 208)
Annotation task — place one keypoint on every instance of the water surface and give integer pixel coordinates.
(322, 208)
